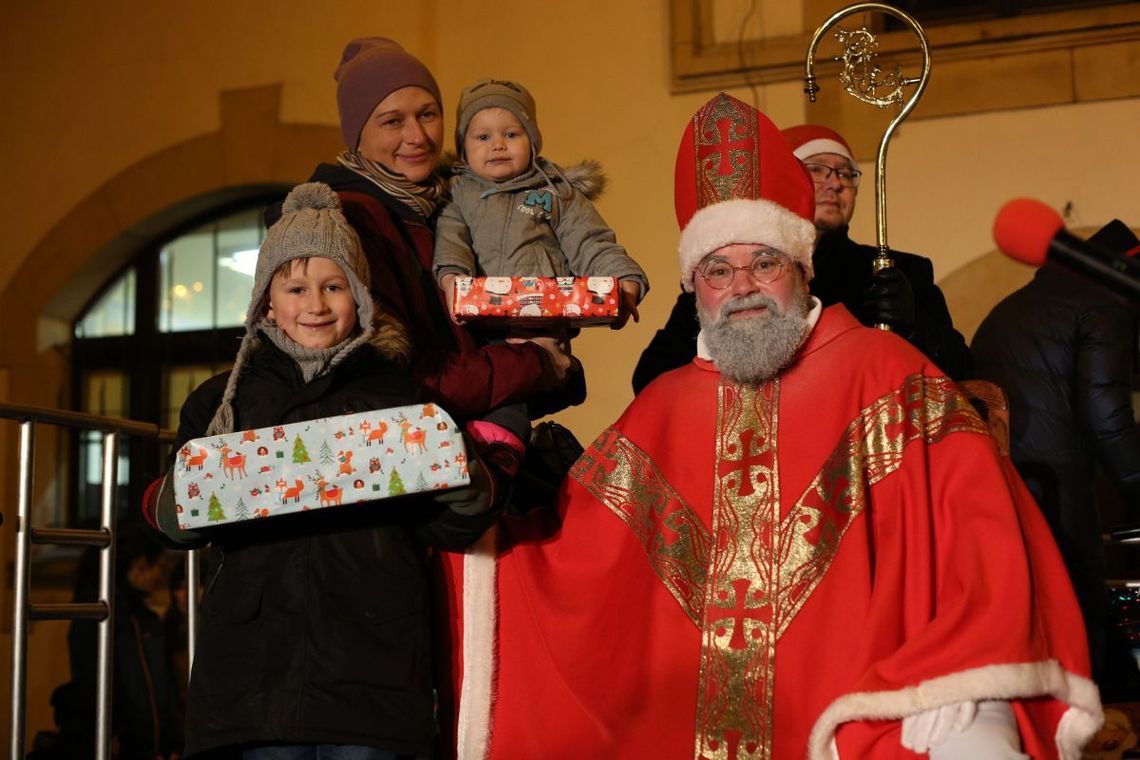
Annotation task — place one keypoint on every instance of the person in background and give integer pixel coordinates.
(145, 720)
(73, 710)
(804, 543)
(904, 296)
(176, 623)
(1062, 347)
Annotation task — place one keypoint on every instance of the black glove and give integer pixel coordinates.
(480, 495)
(551, 453)
(889, 300)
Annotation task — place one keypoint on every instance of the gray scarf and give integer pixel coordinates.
(313, 362)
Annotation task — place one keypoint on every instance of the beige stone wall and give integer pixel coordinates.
(117, 111)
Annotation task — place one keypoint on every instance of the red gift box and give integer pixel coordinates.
(537, 301)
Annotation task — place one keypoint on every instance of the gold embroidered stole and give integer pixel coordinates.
(742, 581)
(624, 478)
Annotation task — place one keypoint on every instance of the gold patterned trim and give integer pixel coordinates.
(926, 408)
(738, 645)
(624, 478)
(725, 136)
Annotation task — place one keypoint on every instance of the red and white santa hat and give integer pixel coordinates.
(812, 139)
(736, 181)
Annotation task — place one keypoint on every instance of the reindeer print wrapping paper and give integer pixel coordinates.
(327, 462)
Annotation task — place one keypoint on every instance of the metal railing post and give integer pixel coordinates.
(20, 618)
(101, 610)
(193, 563)
(105, 678)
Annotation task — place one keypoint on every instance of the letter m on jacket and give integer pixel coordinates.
(544, 199)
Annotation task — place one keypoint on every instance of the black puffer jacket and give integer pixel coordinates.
(842, 274)
(315, 628)
(1061, 347)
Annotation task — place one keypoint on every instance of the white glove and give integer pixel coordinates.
(982, 731)
(931, 727)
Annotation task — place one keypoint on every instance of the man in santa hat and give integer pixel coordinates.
(903, 296)
(805, 542)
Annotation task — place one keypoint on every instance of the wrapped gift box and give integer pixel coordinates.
(537, 301)
(321, 463)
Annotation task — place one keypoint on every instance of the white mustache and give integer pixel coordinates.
(744, 303)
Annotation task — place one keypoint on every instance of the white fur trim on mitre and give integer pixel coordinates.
(762, 222)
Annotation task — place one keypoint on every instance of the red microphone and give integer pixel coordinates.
(1031, 232)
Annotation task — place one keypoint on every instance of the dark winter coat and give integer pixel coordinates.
(315, 628)
(842, 275)
(1061, 348)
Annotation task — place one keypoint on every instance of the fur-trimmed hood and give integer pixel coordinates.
(390, 338)
(587, 177)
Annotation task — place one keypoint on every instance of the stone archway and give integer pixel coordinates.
(252, 152)
(974, 288)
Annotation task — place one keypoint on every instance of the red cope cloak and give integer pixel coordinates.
(753, 572)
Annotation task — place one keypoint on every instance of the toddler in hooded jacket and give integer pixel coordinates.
(515, 214)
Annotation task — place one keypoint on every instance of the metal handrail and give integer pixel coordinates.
(103, 538)
(82, 420)
(68, 611)
(70, 537)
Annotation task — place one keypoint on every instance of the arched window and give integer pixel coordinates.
(169, 320)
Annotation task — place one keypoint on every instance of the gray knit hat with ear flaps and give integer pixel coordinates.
(311, 224)
(498, 93)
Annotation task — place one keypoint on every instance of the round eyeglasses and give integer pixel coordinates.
(822, 172)
(765, 268)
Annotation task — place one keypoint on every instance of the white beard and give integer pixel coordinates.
(755, 349)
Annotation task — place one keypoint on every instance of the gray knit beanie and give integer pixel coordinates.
(498, 93)
(311, 224)
(371, 69)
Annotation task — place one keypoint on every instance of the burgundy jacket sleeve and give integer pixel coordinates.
(465, 378)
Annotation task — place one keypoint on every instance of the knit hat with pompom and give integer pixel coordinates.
(311, 224)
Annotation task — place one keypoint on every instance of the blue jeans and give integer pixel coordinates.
(319, 752)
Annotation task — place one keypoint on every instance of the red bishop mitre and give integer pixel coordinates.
(736, 181)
